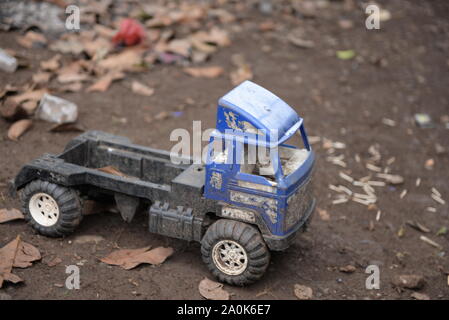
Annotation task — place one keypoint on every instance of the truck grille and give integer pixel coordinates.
(298, 205)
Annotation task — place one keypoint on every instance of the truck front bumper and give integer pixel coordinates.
(279, 243)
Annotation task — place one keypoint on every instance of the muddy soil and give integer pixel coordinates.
(399, 70)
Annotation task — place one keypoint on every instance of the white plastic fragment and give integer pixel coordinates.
(372, 167)
(344, 176)
(7, 62)
(57, 110)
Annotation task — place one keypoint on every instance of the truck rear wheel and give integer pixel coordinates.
(51, 209)
(235, 252)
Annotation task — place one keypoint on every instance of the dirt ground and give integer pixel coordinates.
(399, 70)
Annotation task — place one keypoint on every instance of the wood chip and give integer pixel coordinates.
(374, 168)
(346, 177)
(403, 194)
(430, 242)
(438, 199)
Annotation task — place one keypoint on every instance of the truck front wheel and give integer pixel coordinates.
(235, 252)
(51, 209)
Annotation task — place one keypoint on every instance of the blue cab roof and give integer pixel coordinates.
(263, 109)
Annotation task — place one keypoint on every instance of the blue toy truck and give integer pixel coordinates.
(237, 209)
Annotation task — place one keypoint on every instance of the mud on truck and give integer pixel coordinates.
(238, 210)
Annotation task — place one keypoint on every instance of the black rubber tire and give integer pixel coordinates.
(245, 235)
(70, 209)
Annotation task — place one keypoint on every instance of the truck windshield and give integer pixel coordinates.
(292, 154)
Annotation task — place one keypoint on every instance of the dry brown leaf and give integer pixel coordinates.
(97, 48)
(51, 64)
(205, 72)
(16, 254)
(7, 256)
(212, 290)
(103, 31)
(11, 110)
(54, 262)
(31, 39)
(26, 255)
(105, 81)
(71, 87)
(10, 215)
(41, 77)
(131, 258)
(124, 61)
(142, 89)
(179, 46)
(112, 170)
(34, 95)
(18, 128)
(66, 127)
(303, 292)
(72, 77)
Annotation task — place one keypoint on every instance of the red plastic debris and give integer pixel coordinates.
(130, 33)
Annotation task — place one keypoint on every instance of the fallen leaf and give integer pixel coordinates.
(345, 54)
(205, 72)
(18, 128)
(32, 39)
(131, 258)
(51, 64)
(180, 46)
(54, 262)
(7, 256)
(70, 45)
(303, 292)
(10, 215)
(11, 110)
(112, 170)
(16, 254)
(124, 61)
(34, 95)
(71, 87)
(41, 77)
(66, 127)
(72, 77)
(347, 269)
(105, 81)
(142, 89)
(420, 296)
(212, 290)
(26, 255)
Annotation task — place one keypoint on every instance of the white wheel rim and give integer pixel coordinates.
(44, 209)
(230, 257)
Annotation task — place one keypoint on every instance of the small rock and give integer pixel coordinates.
(303, 292)
(57, 110)
(412, 281)
(7, 63)
(423, 120)
(419, 296)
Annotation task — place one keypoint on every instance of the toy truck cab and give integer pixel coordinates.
(254, 170)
